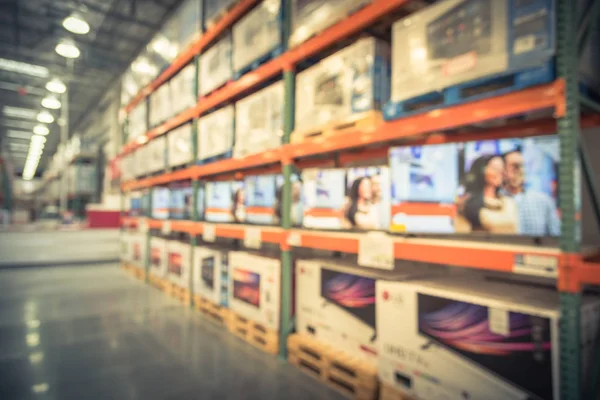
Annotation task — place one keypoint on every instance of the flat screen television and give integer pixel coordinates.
(246, 286)
(175, 263)
(208, 271)
(352, 293)
(323, 194)
(368, 198)
(506, 186)
(522, 357)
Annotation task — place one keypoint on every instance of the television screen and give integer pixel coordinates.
(368, 198)
(506, 186)
(324, 198)
(261, 198)
(175, 263)
(522, 356)
(160, 202)
(208, 271)
(246, 286)
(354, 294)
(225, 202)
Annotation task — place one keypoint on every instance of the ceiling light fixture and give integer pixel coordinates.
(18, 134)
(38, 139)
(18, 112)
(45, 117)
(67, 48)
(56, 86)
(76, 24)
(51, 102)
(41, 130)
(23, 68)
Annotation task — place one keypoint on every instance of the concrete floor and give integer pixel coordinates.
(93, 332)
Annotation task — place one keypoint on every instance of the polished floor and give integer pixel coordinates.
(93, 332)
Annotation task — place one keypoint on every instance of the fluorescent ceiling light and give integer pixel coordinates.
(38, 139)
(18, 134)
(23, 68)
(13, 145)
(76, 24)
(56, 86)
(51, 102)
(41, 130)
(45, 117)
(18, 112)
(67, 48)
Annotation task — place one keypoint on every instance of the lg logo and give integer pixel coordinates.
(396, 298)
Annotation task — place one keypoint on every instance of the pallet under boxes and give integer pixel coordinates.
(349, 375)
(254, 333)
(217, 313)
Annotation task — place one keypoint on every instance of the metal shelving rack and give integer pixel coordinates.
(573, 271)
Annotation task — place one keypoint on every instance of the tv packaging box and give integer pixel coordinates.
(181, 201)
(257, 34)
(180, 143)
(138, 121)
(254, 287)
(138, 250)
(140, 161)
(156, 150)
(189, 17)
(215, 67)
(259, 121)
(211, 274)
(215, 8)
(224, 201)
(179, 259)
(455, 41)
(466, 337)
(161, 202)
(346, 198)
(216, 133)
(158, 257)
(353, 80)
(183, 87)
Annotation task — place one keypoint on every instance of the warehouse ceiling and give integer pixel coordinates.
(30, 31)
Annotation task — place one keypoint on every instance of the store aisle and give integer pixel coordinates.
(93, 332)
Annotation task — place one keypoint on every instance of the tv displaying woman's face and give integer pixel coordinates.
(365, 190)
(494, 172)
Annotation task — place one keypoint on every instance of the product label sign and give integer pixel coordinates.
(208, 233)
(376, 250)
(538, 265)
(499, 321)
(294, 239)
(166, 228)
(252, 238)
(143, 225)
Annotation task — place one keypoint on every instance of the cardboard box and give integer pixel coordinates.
(138, 121)
(215, 8)
(224, 201)
(183, 89)
(460, 337)
(310, 17)
(257, 34)
(81, 179)
(179, 259)
(138, 250)
(180, 145)
(353, 80)
(139, 166)
(158, 257)
(254, 287)
(215, 66)
(156, 151)
(457, 41)
(189, 16)
(346, 198)
(211, 274)
(336, 303)
(216, 133)
(181, 201)
(160, 202)
(259, 121)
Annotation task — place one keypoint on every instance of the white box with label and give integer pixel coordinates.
(156, 151)
(254, 287)
(215, 67)
(216, 133)
(138, 250)
(179, 261)
(467, 337)
(211, 274)
(353, 80)
(180, 145)
(259, 121)
(158, 257)
(183, 91)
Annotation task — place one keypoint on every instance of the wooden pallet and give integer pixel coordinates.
(215, 312)
(348, 375)
(182, 294)
(367, 121)
(157, 282)
(254, 333)
(134, 270)
(386, 392)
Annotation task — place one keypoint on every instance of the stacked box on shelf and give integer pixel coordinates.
(138, 121)
(263, 199)
(138, 249)
(457, 51)
(158, 257)
(211, 274)
(179, 259)
(351, 81)
(466, 337)
(309, 17)
(259, 121)
(180, 145)
(183, 89)
(127, 169)
(160, 105)
(129, 87)
(258, 36)
(161, 201)
(156, 152)
(224, 202)
(140, 161)
(190, 22)
(216, 134)
(81, 179)
(214, 9)
(181, 201)
(215, 66)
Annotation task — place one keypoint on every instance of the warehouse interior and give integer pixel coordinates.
(300, 199)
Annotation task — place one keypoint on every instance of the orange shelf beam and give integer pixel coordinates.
(193, 50)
